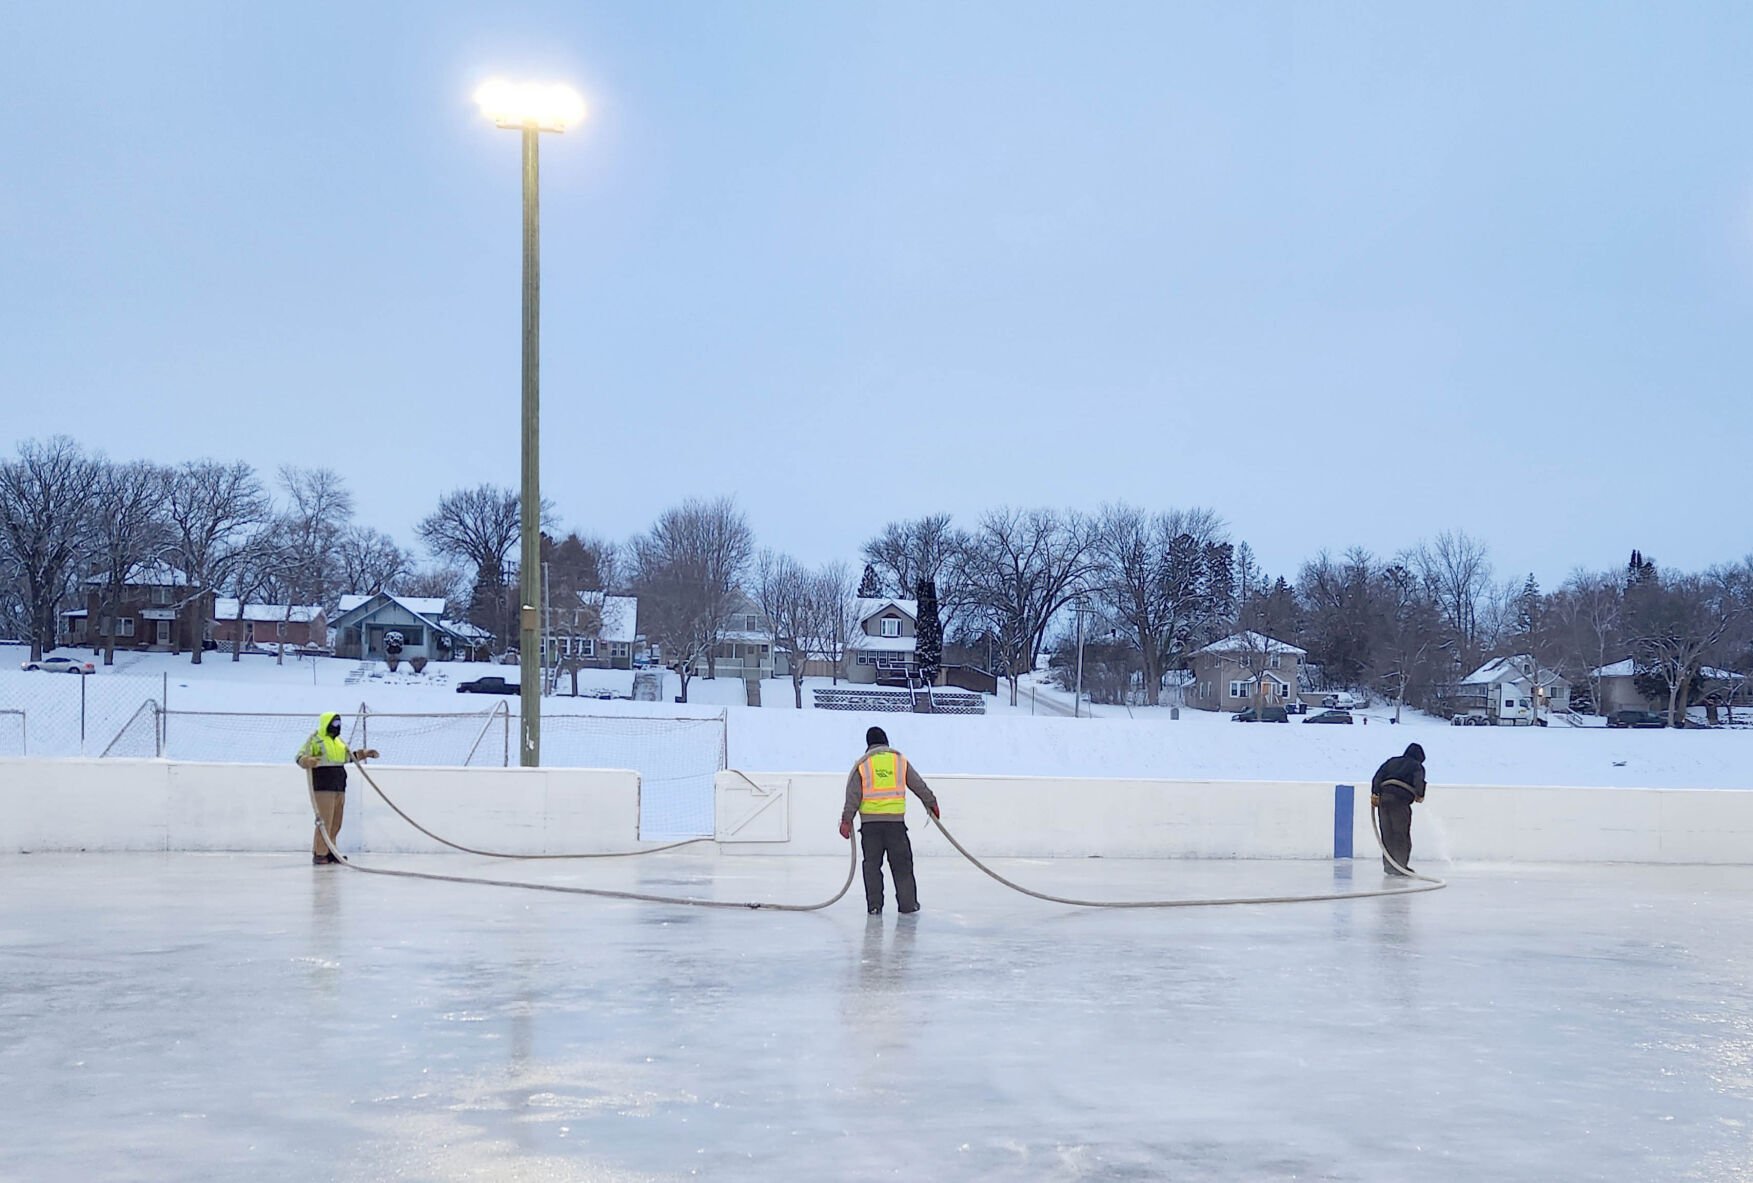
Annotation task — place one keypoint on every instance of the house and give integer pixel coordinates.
(362, 626)
(595, 633)
(300, 625)
(156, 608)
(745, 644)
(1514, 689)
(1616, 688)
(1225, 672)
(884, 643)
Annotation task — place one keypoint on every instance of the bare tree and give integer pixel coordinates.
(1409, 634)
(46, 510)
(1148, 576)
(1456, 571)
(686, 572)
(369, 561)
(1586, 614)
(1674, 624)
(213, 508)
(1023, 567)
(924, 548)
(128, 530)
(440, 581)
(788, 597)
(479, 527)
(311, 535)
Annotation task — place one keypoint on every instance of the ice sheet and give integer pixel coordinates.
(212, 1016)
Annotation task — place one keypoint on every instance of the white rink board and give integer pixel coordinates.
(157, 805)
(154, 805)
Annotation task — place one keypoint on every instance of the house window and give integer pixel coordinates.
(279, 628)
(620, 649)
(1238, 690)
(161, 595)
(1272, 661)
(891, 626)
(587, 646)
(752, 623)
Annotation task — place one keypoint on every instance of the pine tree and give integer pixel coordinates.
(928, 645)
(1528, 608)
(870, 587)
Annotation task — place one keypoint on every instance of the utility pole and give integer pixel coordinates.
(531, 110)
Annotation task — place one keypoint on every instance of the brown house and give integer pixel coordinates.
(156, 609)
(300, 625)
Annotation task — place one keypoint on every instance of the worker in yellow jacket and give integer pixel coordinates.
(876, 790)
(325, 755)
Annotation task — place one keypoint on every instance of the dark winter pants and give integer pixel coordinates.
(889, 838)
(1395, 816)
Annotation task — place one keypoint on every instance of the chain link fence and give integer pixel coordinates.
(123, 715)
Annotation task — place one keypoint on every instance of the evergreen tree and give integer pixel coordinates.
(929, 643)
(870, 587)
(1528, 609)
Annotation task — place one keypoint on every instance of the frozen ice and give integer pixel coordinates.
(186, 1016)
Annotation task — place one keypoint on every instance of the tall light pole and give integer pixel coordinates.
(531, 109)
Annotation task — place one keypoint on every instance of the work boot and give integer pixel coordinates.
(910, 911)
(320, 859)
(877, 911)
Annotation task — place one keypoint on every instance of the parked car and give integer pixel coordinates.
(1267, 715)
(1343, 701)
(59, 665)
(1636, 718)
(489, 686)
(1330, 717)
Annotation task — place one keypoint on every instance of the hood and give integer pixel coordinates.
(324, 719)
(1415, 752)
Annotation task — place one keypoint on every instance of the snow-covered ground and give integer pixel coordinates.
(775, 737)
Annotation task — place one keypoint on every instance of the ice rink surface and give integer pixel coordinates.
(253, 1017)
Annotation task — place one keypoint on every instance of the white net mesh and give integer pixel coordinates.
(453, 740)
(138, 737)
(676, 760)
(13, 733)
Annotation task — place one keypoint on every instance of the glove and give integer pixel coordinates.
(1375, 800)
(936, 810)
(846, 829)
(364, 754)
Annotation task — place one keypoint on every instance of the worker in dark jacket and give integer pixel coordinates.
(1397, 784)
(325, 755)
(876, 790)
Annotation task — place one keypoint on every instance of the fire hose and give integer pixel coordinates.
(1424, 882)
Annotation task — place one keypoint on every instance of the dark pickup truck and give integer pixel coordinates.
(488, 686)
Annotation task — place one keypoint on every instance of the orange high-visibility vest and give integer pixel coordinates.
(884, 775)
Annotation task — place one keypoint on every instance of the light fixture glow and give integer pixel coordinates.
(545, 107)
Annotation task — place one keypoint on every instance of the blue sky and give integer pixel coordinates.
(1347, 273)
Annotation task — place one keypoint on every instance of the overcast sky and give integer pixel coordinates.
(1347, 273)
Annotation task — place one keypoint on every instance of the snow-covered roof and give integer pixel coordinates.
(870, 644)
(1628, 667)
(1251, 642)
(147, 575)
(225, 608)
(1513, 668)
(874, 606)
(431, 607)
(620, 618)
(465, 630)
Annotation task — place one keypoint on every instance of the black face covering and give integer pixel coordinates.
(334, 728)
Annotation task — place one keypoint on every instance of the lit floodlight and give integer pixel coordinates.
(553, 107)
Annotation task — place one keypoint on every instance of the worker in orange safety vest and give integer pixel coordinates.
(876, 790)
